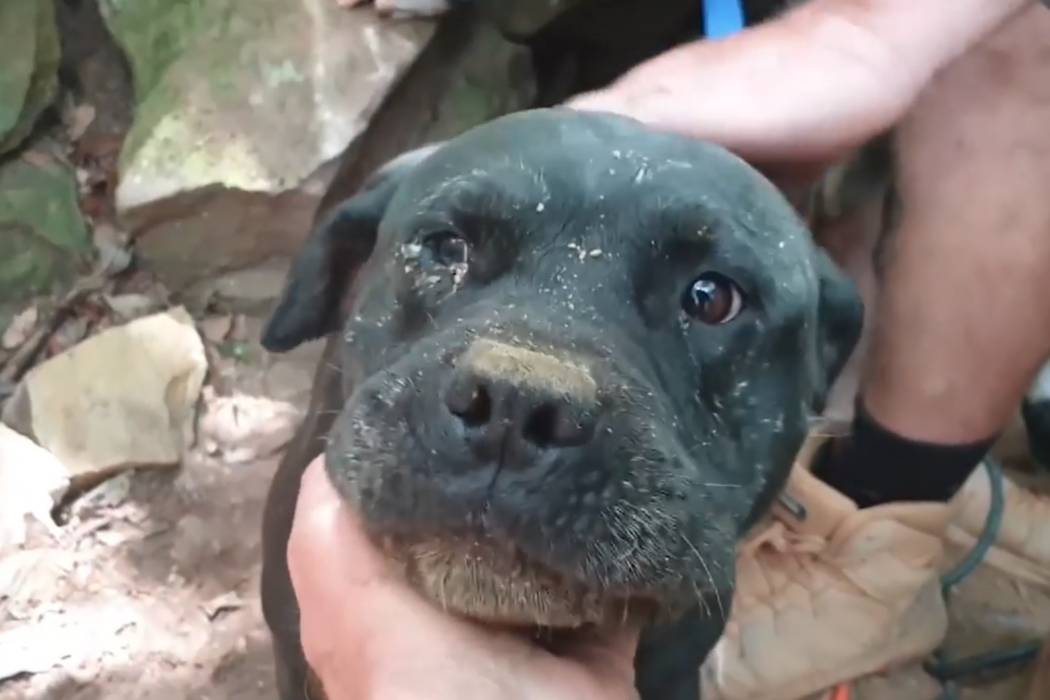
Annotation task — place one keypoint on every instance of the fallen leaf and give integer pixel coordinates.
(131, 306)
(240, 332)
(409, 9)
(107, 234)
(20, 328)
(29, 577)
(113, 260)
(242, 428)
(217, 328)
(238, 351)
(227, 602)
(112, 245)
(65, 637)
(80, 120)
(107, 495)
(38, 158)
(67, 335)
(31, 482)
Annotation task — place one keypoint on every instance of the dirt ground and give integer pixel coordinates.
(152, 592)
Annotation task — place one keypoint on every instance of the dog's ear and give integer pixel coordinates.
(309, 306)
(840, 319)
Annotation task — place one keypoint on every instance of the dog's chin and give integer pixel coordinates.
(466, 571)
(489, 582)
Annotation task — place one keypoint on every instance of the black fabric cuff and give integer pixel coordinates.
(874, 465)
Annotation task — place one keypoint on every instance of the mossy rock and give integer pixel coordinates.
(43, 237)
(154, 33)
(521, 19)
(494, 78)
(29, 58)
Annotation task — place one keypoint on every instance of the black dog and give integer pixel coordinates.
(577, 360)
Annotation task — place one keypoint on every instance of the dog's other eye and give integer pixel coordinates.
(447, 248)
(713, 299)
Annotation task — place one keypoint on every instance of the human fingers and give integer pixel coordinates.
(326, 539)
(347, 588)
(609, 658)
(365, 632)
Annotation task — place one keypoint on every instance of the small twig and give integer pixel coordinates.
(18, 363)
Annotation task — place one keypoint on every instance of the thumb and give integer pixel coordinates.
(337, 571)
(607, 656)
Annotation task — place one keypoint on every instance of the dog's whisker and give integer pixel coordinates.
(707, 570)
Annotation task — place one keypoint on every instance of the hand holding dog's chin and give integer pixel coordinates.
(367, 635)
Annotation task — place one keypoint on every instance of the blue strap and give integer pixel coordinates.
(722, 18)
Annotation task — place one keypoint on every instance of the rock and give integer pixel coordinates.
(468, 75)
(493, 77)
(252, 290)
(31, 482)
(241, 103)
(42, 233)
(29, 58)
(118, 400)
(403, 9)
(522, 19)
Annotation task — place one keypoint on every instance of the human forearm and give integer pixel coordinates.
(824, 76)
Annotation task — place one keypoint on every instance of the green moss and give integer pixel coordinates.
(42, 232)
(29, 58)
(154, 33)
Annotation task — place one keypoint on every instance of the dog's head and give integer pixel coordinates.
(580, 357)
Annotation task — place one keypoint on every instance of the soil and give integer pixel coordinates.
(153, 594)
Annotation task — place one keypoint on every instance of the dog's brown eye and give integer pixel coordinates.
(447, 248)
(713, 299)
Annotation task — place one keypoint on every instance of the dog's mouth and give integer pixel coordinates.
(499, 584)
(559, 543)
(460, 555)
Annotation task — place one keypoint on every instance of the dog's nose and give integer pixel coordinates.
(509, 398)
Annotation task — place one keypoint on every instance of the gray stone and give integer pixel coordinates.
(29, 58)
(42, 232)
(404, 9)
(468, 75)
(119, 400)
(524, 18)
(241, 104)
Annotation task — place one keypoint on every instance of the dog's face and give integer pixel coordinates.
(579, 359)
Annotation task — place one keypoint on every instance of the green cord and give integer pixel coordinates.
(946, 671)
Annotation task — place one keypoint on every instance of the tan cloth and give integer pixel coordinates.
(839, 594)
